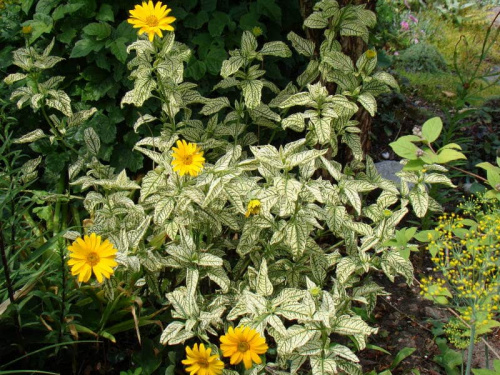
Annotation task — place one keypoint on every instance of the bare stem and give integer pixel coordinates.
(469, 173)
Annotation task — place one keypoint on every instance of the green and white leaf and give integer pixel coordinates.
(303, 46)
(32, 136)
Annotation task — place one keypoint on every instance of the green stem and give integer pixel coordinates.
(6, 270)
(59, 225)
(63, 287)
(471, 347)
(76, 216)
(57, 210)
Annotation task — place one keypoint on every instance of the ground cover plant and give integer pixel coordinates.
(252, 235)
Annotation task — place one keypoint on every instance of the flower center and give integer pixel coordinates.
(93, 258)
(243, 346)
(188, 159)
(152, 21)
(203, 363)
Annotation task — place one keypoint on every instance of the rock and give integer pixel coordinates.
(435, 313)
(388, 170)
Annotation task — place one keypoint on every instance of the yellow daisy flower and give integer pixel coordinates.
(89, 255)
(151, 19)
(200, 362)
(243, 344)
(187, 158)
(253, 208)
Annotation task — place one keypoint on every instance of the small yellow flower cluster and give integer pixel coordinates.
(458, 333)
(466, 255)
(241, 344)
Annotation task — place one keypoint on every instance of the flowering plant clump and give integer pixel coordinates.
(241, 238)
(466, 253)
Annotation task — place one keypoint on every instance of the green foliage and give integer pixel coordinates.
(270, 270)
(449, 359)
(495, 371)
(455, 9)
(298, 268)
(398, 358)
(465, 251)
(422, 57)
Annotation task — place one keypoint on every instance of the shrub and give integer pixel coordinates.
(422, 57)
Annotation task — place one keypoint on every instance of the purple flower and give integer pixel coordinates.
(415, 41)
(413, 18)
(396, 53)
(404, 25)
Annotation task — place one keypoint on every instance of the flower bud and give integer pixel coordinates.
(26, 30)
(371, 54)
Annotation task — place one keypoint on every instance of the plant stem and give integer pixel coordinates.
(471, 347)
(6, 267)
(487, 356)
(63, 297)
(469, 173)
(58, 226)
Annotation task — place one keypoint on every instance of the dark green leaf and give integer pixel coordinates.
(119, 49)
(67, 34)
(62, 10)
(124, 158)
(271, 10)
(196, 21)
(45, 6)
(99, 30)
(214, 60)
(189, 4)
(105, 13)
(218, 23)
(83, 47)
(196, 70)
(209, 5)
(26, 5)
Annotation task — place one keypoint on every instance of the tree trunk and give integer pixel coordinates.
(352, 47)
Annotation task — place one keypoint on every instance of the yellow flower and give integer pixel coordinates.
(151, 19)
(243, 344)
(89, 255)
(200, 362)
(187, 158)
(253, 208)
